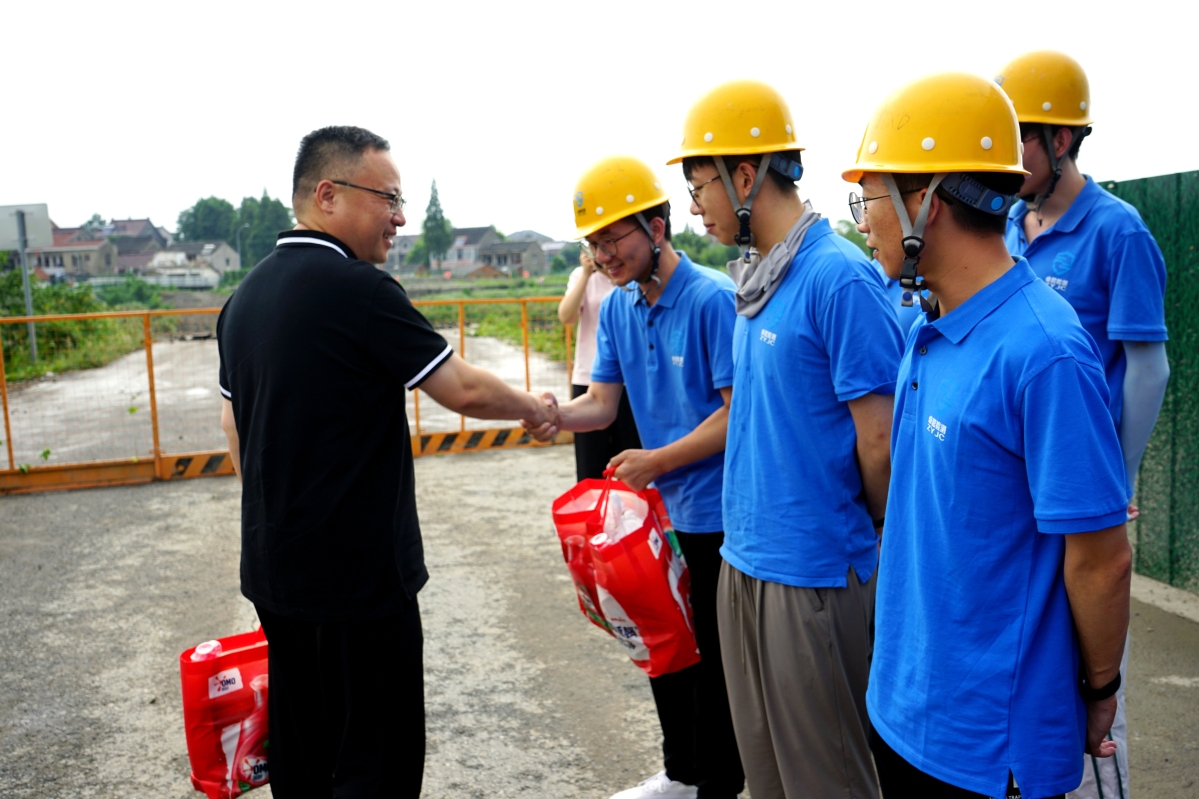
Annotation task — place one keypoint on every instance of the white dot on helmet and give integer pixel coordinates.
(928, 143)
(628, 198)
(986, 142)
(755, 132)
(1046, 106)
(708, 137)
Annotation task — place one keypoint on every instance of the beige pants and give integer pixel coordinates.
(796, 661)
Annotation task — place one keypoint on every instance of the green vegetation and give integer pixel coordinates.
(558, 265)
(701, 250)
(436, 232)
(503, 321)
(259, 219)
(65, 346)
(849, 230)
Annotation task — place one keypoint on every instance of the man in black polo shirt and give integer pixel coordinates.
(316, 349)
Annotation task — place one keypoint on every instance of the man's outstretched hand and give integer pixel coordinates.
(548, 421)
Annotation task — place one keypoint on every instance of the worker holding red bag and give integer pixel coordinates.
(666, 339)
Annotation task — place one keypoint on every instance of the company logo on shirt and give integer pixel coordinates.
(768, 337)
(677, 360)
(1062, 263)
(936, 428)
(1057, 283)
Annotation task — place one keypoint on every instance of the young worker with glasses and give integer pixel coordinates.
(816, 350)
(1004, 580)
(1094, 250)
(665, 336)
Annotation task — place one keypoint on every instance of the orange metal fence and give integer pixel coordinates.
(134, 398)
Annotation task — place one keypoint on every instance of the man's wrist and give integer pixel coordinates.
(1092, 693)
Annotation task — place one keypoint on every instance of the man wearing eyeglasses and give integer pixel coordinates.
(1094, 250)
(317, 347)
(665, 337)
(816, 349)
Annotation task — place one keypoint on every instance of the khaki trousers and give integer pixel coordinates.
(796, 662)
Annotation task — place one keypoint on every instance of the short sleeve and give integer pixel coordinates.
(222, 372)
(576, 275)
(1071, 450)
(606, 366)
(402, 338)
(1138, 290)
(720, 318)
(862, 339)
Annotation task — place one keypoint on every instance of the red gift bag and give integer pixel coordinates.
(631, 579)
(225, 689)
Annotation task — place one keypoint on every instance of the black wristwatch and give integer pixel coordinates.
(1091, 694)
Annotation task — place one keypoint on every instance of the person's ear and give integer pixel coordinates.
(743, 180)
(657, 227)
(325, 196)
(1061, 142)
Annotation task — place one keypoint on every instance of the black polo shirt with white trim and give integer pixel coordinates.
(316, 350)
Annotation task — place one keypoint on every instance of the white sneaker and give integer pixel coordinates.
(659, 786)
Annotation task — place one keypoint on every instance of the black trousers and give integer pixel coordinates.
(698, 743)
(593, 450)
(347, 706)
(900, 779)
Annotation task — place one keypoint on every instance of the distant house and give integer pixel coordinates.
(486, 271)
(137, 228)
(515, 257)
(134, 253)
(78, 257)
(462, 256)
(216, 254)
(528, 235)
(397, 256)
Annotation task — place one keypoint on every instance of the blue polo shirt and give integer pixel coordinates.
(1105, 262)
(1002, 442)
(793, 506)
(673, 359)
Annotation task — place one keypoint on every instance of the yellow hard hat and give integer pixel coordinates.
(613, 189)
(744, 117)
(1048, 87)
(951, 122)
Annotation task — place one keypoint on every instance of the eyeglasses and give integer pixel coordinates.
(397, 202)
(694, 191)
(607, 247)
(857, 205)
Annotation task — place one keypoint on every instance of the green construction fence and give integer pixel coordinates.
(1167, 535)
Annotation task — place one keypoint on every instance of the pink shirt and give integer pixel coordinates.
(598, 287)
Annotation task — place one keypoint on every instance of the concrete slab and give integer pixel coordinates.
(100, 590)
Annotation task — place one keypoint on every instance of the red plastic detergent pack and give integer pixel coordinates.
(629, 574)
(225, 689)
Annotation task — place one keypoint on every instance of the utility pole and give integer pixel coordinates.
(240, 263)
(22, 244)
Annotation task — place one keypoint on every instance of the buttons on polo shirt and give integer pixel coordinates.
(924, 350)
(915, 385)
(651, 323)
(651, 346)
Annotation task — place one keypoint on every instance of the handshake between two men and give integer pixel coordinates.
(636, 468)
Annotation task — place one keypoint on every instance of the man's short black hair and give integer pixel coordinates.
(731, 162)
(1028, 129)
(968, 218)
(658, 212)
(328, 150)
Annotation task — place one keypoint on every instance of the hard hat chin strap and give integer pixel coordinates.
(744, 237)
(657, 250)
(1047, 133)
(913, 234)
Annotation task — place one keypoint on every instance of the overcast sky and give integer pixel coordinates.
(139, 109)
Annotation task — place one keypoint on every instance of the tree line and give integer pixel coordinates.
(260, 221)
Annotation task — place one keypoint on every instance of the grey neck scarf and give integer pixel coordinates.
(758, 278)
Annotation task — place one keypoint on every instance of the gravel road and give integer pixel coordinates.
(100, 590)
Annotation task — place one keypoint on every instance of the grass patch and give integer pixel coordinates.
(67, 346)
